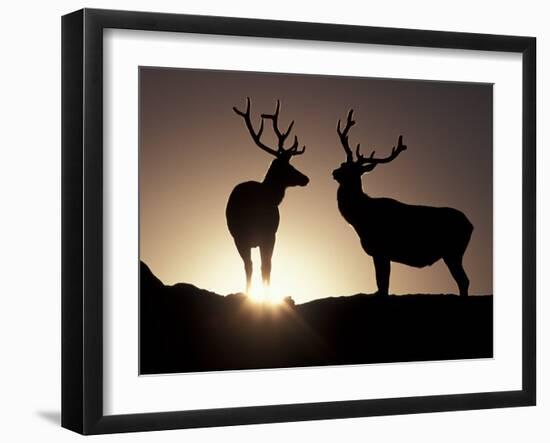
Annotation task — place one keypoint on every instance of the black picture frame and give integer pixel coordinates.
(82, 220)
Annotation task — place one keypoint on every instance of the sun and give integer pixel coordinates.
(271, 295)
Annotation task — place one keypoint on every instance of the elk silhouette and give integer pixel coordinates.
(252, 211)
(393, 231)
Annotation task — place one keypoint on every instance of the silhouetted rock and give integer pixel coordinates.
(147, 280)
(187, 329)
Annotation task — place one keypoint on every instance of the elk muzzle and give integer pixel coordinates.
(303, 181)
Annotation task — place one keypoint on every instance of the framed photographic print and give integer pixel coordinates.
(269, 221)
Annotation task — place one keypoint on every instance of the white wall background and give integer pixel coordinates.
(30, 92)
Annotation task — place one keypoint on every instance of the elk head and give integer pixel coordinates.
(351, 170)
(280, 172)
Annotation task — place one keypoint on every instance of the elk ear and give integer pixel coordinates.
(368, 167)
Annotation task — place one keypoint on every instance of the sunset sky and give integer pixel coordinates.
(194, 149)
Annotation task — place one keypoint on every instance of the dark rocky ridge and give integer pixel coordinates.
(187, 329)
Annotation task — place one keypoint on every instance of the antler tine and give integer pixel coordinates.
(344, 134)
(256, 136)
(396, 150)
(357, 153)
(293, 150)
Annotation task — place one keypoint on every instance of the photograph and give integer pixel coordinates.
(295, 220)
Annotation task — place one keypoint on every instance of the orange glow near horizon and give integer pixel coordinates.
(274, 294)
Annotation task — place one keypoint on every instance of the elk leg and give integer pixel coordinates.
(382, 268)
(457, 271)
(266, 252)
(244, 252)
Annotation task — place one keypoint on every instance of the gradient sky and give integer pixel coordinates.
(194, 149)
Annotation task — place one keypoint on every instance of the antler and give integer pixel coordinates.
(282, 136)
(344, 135)
(255, 135)
(396, 150)
(371, 161)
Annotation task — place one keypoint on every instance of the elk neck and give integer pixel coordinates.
(350, 196)
(274, 188)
